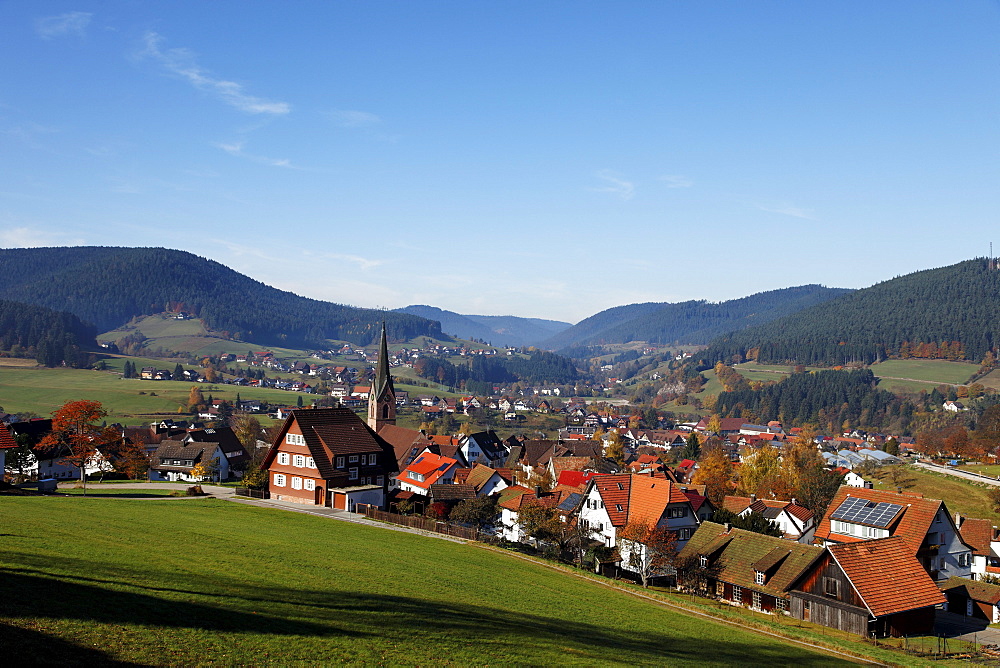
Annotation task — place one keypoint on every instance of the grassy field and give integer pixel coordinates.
(212, 582)
(930, 371)
(97, 491)
(960, 495)
(129, 401)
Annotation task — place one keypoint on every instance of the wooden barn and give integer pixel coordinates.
(741, 567)
(873, 587)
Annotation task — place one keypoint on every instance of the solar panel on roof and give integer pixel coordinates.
(863, 511)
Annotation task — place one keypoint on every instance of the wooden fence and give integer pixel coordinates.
(253, 493)
(428, 524)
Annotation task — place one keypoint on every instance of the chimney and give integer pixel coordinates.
(958, 520)
(729, 527)
(538, 491)
(793, 501)
(753, 497)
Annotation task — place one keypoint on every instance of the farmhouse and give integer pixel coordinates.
(743, 568)
(926, 527)
(874, 587)
(329, 457)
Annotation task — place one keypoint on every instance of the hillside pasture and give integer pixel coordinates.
(931, 372)
(89, 581)
(42, 391)
(964, 496)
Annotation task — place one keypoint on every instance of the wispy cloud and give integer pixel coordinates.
(26, 237)
(181, 62)
(362, 262)
(236, 149)
(674, 181)
(71, 23)
(616, 185)
(346, 118)
(788, 209)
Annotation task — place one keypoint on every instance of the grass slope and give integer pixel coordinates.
(199, 582)
(44, 390)
(960, 495)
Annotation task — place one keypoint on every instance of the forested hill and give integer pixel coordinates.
(108, 286)
(692, 322)
(498, 330)
(50, 336)
(947, 313)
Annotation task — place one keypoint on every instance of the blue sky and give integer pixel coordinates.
(543, 159)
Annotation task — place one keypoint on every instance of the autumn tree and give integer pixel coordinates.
(75, 437)
(650, 549)
(615, 448)
(481, 512)
(714, 424)
(132, 459)
(540, 521)
(196, 400)
(715, 471)
(760, 471)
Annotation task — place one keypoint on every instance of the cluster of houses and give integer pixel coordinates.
(877, 563)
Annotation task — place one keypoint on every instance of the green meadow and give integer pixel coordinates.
(94, 581)
(130, 401)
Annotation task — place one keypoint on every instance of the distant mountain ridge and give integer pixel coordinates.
(499, 330)
(691, 322)
(923, 314)
(108, 286)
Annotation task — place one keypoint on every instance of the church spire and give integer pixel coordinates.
(382, 398)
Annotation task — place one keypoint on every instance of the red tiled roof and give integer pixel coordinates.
(911, 524)
(431, 466)
(614, 491)
(978, 534)
(575, 478)
(6, 440)
(887, 575)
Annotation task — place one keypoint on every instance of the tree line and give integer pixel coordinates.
(946, 313)
(110, 286)
(51, 337)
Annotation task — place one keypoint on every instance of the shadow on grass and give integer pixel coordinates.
(27, 647)
(505, 635)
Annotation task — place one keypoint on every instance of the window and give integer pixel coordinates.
(279, 480)
(720, 589)
(781, 604)
(295, 439)
(964, 559)
(621, 486)
(685, 533)
(758, 577)
(380, 480)
(831, 587)
(676, 512)
(310, 484)
(340, 462)
(296, 482)
(703, 561)
(310, 463)
(352, 473)
(737, 594)
(299, 461)
(283, 458)
(755, 600)
(618, 507)
(353, 459)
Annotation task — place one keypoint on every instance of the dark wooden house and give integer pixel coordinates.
(742, 567)
(873, 587)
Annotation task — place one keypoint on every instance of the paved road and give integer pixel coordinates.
(965, 628)
(958, 473)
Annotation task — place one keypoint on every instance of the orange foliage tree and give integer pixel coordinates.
(75, 436)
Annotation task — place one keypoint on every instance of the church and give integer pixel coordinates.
(331, 457)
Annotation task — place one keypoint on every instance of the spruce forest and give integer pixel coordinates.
(946, 313)
(109, 286)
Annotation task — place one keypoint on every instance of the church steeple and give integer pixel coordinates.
(382, 398)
